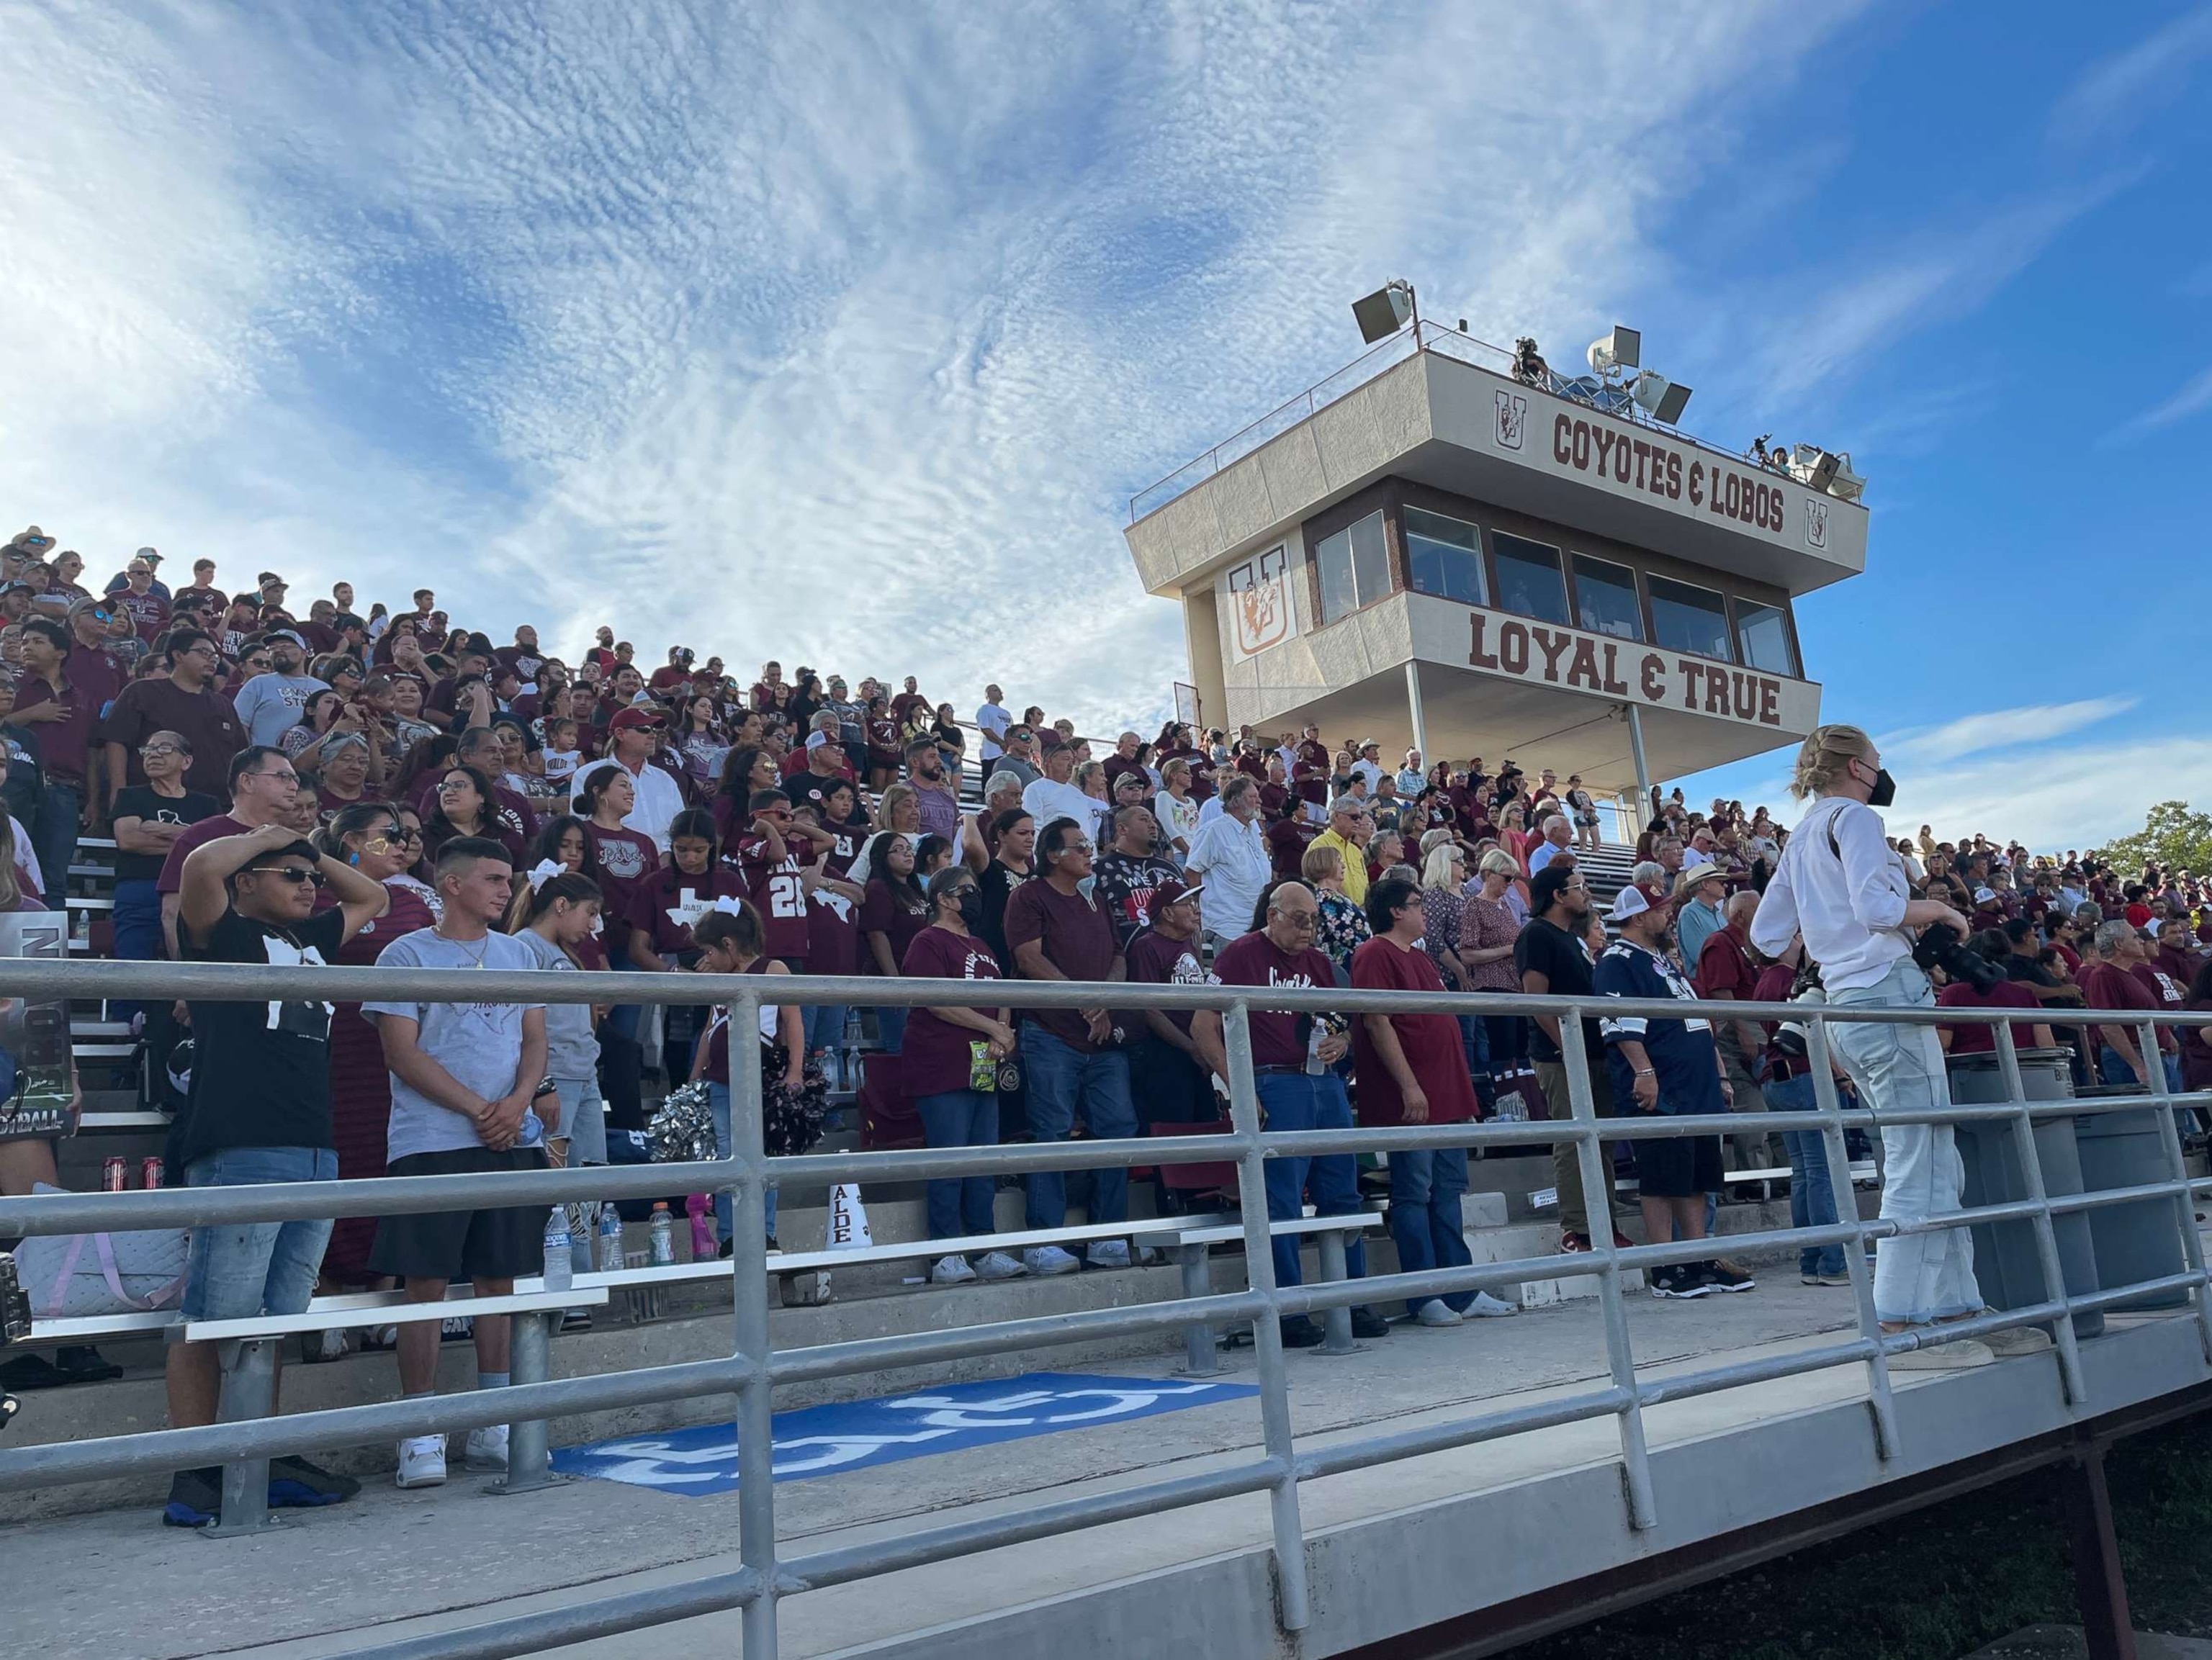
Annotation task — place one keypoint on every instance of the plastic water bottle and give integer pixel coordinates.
(705, 1246)
(611, 1237)
(560, 1272)
(663, 1236)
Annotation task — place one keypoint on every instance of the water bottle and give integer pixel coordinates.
(560, 1272)
(611, 1237)
(705, 1246)
(663, 1236)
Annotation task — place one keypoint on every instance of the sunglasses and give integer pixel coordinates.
(300, 875)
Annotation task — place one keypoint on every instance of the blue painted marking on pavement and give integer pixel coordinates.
(860, 1434)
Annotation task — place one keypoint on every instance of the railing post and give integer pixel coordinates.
(1295, 1610)
(1597, 1199)
(2176, 1165)
(1880, 1401)
(748, 1281)
(2046, 1237)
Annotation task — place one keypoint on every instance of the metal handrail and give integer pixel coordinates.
(755, 1366)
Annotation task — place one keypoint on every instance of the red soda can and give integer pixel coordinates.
(149, 1172)
(112, 1176)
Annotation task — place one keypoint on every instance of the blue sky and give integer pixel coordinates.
(651, 317)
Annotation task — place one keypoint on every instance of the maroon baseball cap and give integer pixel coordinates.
(1174, 890)
(633, 717)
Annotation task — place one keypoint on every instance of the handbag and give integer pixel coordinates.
(75, 1276)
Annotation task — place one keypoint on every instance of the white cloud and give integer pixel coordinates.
(2054, 797)
(2193, 395)
(2116, 92)
(2002, 729)
(783, 337)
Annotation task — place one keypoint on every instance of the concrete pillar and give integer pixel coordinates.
(1413, 702)
(1636, 749)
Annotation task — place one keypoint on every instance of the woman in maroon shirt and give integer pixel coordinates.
(948, 1056)
(895, 909)
(624, 863)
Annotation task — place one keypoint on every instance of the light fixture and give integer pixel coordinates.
(1621, 349)
(1814, 467)
(1383, 313)
(1846, 485)
(1657, 397)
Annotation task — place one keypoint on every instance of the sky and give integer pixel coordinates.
(843, 333)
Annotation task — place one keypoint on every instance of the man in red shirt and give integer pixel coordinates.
(1070, 1057)
(1124, 760)
(91, 668)
(908, 701)
(1412, 1069)
(1169, 1078)
(2108, 981)
(1309, 774)
(149, 612)
(673, 672)
(63, 717)
(1293, 1061)
(1724, 971)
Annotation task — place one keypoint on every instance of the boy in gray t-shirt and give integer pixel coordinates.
(477, 1044)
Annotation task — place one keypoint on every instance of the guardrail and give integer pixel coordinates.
(755, 1367)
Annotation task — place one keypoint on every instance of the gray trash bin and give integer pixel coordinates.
(2133, 1242)
(2007, 1264)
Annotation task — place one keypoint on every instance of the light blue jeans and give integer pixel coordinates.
(1918, 1277)
(242, 1270)
(726, 1208)
(1812, 1195)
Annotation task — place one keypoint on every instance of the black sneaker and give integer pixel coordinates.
(295, 1484)
(1366, 1322)
(195, 1498)
(1303, 1333)
(1725, 1275)
(1679, 1280)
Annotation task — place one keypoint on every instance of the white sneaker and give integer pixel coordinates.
(1487, 1307)
(1437, 1313)
(324, 1345)
(1943, 1357)
(421, 1462)
(951, 1271)
(1110, 1253)
(997, 1265)
(486, 1449)
(1048, 1260)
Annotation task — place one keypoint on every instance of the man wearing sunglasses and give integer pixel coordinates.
(634, 736)
(259, 1110)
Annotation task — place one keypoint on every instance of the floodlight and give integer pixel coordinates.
(1621, 349)
(1383, 313)
(1814, 467)
(1846, 484)
(1659, 397)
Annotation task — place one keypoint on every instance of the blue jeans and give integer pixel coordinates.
(1918, 1277)
(53, 836)
(2113, 1068)
(242, 1270)
(1812, 1195)
(725, 1207)
(959, 1118)
(890, 1027)
(1060, 1079)
(825, 1025)
(1474, 1039)
(1308, 1100)
(1425, 1221)
(138, 922)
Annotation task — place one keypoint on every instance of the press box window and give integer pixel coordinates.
(1353, 567)
(1529, 579)
(1605, 598)
(1686, 619)
(1762, 635)
(1443, 557)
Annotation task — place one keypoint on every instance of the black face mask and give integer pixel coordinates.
(971, 908)
(1884, 791)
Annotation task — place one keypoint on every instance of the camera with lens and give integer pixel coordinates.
(1940, 946)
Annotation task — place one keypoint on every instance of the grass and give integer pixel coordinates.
(1945, 1581)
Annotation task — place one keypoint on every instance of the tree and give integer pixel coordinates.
(2173, 838)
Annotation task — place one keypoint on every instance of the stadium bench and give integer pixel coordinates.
(1190, 1245)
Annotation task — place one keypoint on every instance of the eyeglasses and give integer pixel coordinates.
(1297, 919)
(300, 874)
(148, 751)
(288, 776)
(454, 784)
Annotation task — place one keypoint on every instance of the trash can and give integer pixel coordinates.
(2007, 1264)
(2138, 1241)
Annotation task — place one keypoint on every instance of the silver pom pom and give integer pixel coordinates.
(683, 1131)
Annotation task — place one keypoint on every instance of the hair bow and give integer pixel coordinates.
(728, 906)
(544, 871)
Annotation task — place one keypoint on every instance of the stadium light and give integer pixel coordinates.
(1659, 397)
(1383, 313)
(1621, 349)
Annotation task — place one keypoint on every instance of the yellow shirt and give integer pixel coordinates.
(1355, 863)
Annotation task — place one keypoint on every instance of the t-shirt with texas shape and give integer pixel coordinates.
(1278, 1036)
(261, 1071)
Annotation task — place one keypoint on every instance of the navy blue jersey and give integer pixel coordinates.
(1681, 1050)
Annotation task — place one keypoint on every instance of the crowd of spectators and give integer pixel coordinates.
(295, 784)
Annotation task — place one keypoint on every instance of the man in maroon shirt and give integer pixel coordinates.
(1071, 1058)
(185, 703)
(1412, 1069)
(1169, 1078)
(1288, 836)
(63, 716)
(149, 612)
(2107, 980)
(908, 701)
(776, 858)
(1124, 760)
(1726, 972)
(1293, 1061)
(90, 666)
(262, 789)
(1310, 775)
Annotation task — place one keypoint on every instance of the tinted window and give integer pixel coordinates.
(1529, 579)
(1763, 637)
(1686, 619)
(1443, 557)
(1353, 567)
(1605, 598)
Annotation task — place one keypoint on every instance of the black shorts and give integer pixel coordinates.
(476, 1244)
(1678, 1167)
